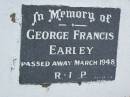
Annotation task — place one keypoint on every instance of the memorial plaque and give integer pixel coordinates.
(68, 44)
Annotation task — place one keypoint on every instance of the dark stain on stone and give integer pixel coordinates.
(45, 85)
(13, 64)
(79, 83)
(13, 17)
